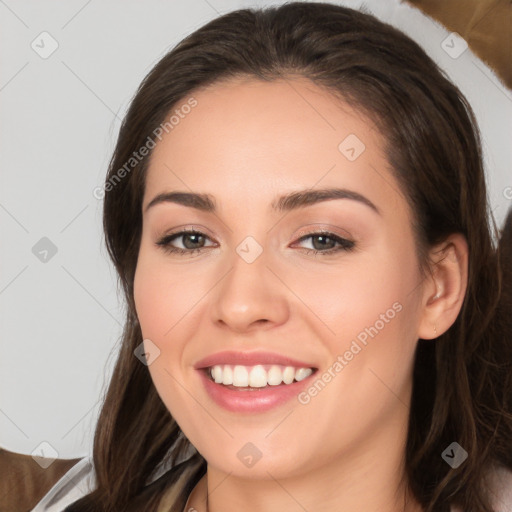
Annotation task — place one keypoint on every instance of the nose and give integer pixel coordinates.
(249, 297)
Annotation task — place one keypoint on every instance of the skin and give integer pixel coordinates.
(245, 143)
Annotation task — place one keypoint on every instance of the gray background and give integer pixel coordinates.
(60, 317)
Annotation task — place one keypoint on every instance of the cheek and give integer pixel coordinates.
(150, 301)
(169, 308)
(354, 295)
(163, 296)
(159, 309)
(372, 315)
(369, 317)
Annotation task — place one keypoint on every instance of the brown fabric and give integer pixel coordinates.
(23, 482)
(486, 25)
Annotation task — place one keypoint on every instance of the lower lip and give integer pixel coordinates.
(253, 400)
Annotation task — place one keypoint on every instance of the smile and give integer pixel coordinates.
(258, 376)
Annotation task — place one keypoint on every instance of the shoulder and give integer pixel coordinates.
(74, 484)
(80, 481)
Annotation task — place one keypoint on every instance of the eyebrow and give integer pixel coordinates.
(285, 203)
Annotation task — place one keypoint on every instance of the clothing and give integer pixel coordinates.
(74, 484)
(79, 481)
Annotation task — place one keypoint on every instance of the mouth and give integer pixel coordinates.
(253, 381)
(256, 377)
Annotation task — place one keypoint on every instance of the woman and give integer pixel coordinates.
(296, 207)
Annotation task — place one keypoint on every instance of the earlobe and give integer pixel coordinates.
(445, 289)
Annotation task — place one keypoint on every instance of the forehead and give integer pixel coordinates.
(246, 136)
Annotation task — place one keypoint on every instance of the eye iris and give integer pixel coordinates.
(191, 235)
(322, 245)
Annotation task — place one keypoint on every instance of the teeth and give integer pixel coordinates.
(302, 373)
(217, 374)
(227, 375)
(257, 376)
(240, 376)
(288, 375)
(274, 376)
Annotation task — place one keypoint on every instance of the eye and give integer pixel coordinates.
(323, 242)
(190, 240)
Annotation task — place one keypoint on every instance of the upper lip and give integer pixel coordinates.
(249, 359)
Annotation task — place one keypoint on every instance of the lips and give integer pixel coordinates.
(267, 393)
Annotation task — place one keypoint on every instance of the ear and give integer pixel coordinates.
(444, 289)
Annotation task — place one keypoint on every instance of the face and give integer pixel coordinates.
(330, 286)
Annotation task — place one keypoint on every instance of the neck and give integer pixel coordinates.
(370, 478)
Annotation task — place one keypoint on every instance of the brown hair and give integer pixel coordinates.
(462, 384)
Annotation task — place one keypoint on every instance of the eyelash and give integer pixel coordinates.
(343, 244)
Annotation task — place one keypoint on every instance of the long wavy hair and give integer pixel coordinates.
(462, 382)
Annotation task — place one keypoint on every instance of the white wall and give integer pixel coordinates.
(61, 319)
